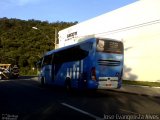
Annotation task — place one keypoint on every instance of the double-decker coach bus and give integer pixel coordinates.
(95, 63)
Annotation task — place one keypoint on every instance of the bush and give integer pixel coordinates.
(27, 71)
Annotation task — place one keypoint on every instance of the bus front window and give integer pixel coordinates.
(109, 46)
(100, 45)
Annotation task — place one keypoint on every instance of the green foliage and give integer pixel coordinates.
(143, 83)
(24, 46)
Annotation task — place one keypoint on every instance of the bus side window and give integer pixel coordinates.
(86, 46)
(47, 60)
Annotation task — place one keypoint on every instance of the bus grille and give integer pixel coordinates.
(108, 62)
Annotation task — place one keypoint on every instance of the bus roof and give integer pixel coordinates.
(83, 41)
(69, 46)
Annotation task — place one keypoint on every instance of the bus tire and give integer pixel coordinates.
(68, 84)
(42, 82)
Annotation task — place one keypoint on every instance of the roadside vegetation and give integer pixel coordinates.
(143, 83)
(22, 45)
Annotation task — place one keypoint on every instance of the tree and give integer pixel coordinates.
(21, 45)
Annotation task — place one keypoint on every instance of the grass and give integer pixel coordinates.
(143, 83)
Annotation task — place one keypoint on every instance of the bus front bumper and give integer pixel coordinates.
(109, 84)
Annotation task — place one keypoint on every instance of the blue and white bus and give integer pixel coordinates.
(95, 63)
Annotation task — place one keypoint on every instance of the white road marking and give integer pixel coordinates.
(82, 111)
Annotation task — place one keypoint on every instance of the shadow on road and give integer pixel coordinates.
(26, 77)
(28, 99)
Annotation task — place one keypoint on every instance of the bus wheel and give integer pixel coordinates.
(68, 84)
(42, 82)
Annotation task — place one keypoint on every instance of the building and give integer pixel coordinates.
(138, 26)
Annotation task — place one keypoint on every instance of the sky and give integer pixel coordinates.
(58, 10)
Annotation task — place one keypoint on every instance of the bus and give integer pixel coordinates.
(95, 63)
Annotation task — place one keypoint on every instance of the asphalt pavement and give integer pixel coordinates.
(25, 99)
(139, 90)
(134, 89)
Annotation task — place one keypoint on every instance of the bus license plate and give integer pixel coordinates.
(108, 83)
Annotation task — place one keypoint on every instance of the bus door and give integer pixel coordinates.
(54, 66)
(47, 68)
(75, 73)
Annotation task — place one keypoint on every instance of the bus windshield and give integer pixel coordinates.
(109, 46)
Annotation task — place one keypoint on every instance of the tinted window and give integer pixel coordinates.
(75, 53)
(47, 60)
(109, 46)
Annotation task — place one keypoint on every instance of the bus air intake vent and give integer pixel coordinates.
(108, 62)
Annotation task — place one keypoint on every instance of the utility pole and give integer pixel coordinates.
(56, 38)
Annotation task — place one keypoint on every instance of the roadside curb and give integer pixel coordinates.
(133, 93)
(140, 86)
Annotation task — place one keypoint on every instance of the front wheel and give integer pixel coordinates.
(42, 82)
(68, 85)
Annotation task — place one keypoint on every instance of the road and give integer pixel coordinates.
(25, 99)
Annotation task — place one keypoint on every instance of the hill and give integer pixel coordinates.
(22, 45)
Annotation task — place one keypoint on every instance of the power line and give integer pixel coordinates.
(121, 29)
(131, 27)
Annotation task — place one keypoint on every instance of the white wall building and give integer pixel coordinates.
(138, 26)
